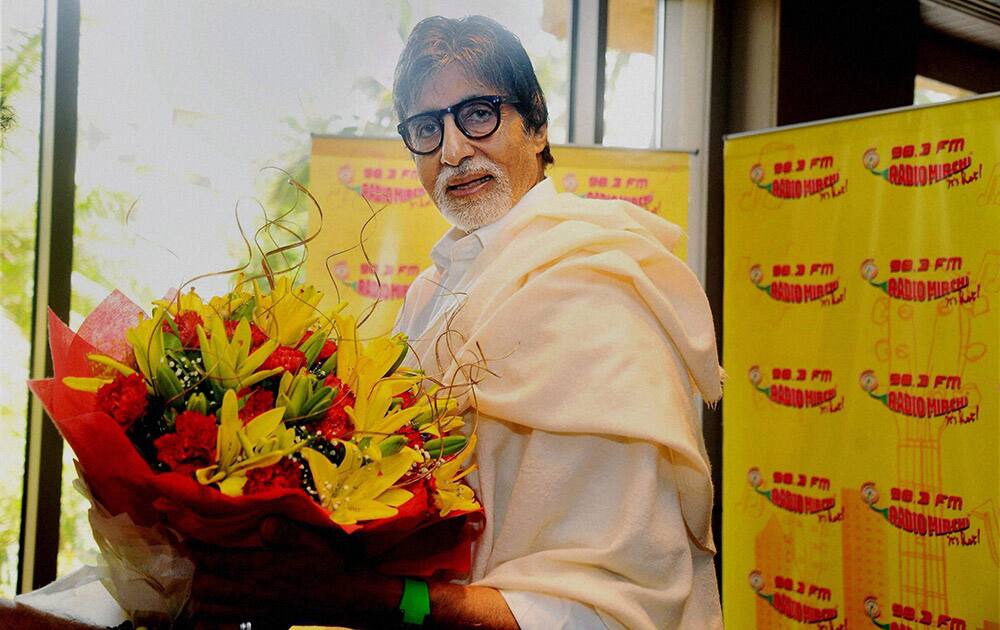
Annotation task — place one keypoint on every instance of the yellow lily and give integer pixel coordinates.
(93, 383)
(225, 305)
(365, 368)
(286, 312)
(369, 412)
(435, 417)
(452, 495)
(365, 362)
(229, 363)
(146, 339)
(189, 301)
(361, 487)
(262, 442)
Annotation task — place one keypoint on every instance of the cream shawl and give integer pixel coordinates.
(592, 467)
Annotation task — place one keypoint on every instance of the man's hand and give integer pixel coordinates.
(27, 618)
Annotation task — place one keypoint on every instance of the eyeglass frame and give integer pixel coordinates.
(496, 102)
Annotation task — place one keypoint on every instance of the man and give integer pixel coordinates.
(570, 292)
(591, 467)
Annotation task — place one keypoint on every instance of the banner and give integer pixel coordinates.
(372, 184)
(862, 338)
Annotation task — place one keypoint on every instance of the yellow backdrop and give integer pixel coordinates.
(356, 179)
(861, 335)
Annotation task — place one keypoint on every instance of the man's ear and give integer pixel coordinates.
(539, 138)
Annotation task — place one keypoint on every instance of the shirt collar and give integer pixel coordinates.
(444, 252)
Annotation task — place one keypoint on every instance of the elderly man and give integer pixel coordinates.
(591, 465)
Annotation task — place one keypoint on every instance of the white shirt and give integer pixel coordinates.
(455, 253)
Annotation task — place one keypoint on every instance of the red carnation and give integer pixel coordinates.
(124, 399)
(187, 331)
(192, 446)
(259, 401)
(336, 424)
(257, 336)
(285, 357)
(287, 473)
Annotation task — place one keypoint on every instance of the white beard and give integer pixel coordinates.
(487, 207)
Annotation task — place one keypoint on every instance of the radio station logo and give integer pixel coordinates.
(800, 283)
(908, 511)
(800, 178)
(922, 396)
(384, 184)
(799, 388)
(905, 613)
(909, 281)
(570, 182)
(926, 163)
(789, 494)
(790, 598)
(635, 190)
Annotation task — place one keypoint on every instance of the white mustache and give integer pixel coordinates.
(473, 165)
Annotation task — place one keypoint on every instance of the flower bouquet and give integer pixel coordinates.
(202, 419)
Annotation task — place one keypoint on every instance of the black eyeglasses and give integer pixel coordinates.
(477, 118)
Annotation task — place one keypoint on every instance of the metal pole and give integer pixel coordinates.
(588, 45)
(39, 548)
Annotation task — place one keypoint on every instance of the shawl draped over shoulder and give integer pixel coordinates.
(592, 466)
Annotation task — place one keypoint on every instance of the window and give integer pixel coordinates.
(630, 74)
(927, 91)
(21, 95)
(168, 143)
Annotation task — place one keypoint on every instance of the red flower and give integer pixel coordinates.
(192, 446)
(285, 357)
(124, 399)
(257, 336)
(329, 347)
(413, 437)
(259, 401)
(187, 323)
(287, 473)
(336, 424)
(406, 399)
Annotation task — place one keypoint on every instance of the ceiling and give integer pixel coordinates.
(976, 21)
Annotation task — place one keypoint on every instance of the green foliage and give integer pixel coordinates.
(100, 222)
(17, 266)
(25, 61)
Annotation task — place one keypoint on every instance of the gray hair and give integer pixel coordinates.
(486, 50)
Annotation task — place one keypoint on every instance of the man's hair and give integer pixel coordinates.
(487, 52)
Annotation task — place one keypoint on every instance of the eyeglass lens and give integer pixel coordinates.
(475, 119)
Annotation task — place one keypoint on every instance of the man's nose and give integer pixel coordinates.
(455, 147)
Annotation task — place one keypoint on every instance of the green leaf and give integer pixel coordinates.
(392, 445)
(443, 447)
(197, 402)
(245, 310)
(167, 384)
(330, 365)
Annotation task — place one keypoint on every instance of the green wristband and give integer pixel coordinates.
(416, 601)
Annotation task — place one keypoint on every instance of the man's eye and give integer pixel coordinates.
(426, 129)
(478, 113)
